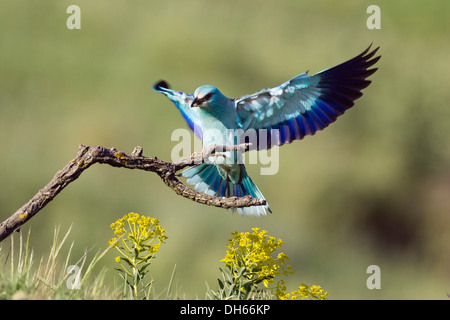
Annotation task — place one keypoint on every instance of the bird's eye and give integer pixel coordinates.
(208, 96)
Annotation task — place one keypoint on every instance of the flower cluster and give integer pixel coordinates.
(137, 238)
(255, 252)
(251, 259)
(141, 232)
(303, 292)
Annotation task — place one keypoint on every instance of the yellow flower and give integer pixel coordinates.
(112, 242)
(304, 292)
(251, 259)
(255, 252)
(137, 239)
(138, 235)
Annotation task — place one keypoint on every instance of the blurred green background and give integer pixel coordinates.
(372, 189)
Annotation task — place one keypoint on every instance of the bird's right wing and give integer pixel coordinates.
(183, 102)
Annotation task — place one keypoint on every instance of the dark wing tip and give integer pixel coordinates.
(161, 85)
(367, 53)
(368, 56)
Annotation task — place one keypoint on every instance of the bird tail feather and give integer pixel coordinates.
(209, 179)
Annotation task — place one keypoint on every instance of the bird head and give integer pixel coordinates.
(206, 96)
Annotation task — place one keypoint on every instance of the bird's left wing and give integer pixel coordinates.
(183, 102)
(305, 104)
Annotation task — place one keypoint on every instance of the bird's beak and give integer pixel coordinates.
(194, 102)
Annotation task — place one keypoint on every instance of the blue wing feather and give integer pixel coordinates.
(306, 104)
(183, 102)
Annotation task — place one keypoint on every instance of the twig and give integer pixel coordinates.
(87, 156)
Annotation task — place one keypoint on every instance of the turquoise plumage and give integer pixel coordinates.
(297, 108)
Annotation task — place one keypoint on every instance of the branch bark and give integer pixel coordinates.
(87, 156)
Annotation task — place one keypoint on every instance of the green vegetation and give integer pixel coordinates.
(371, 189)
(23, 277)
(134, 235)
(249, 262)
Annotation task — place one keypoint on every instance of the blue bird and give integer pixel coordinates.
(296, 108)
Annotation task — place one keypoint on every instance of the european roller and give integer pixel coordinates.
(294, 109)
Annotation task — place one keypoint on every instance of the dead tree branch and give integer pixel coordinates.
(87, 156)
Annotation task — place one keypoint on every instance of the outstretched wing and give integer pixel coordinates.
(183, 102)
(305, 104)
